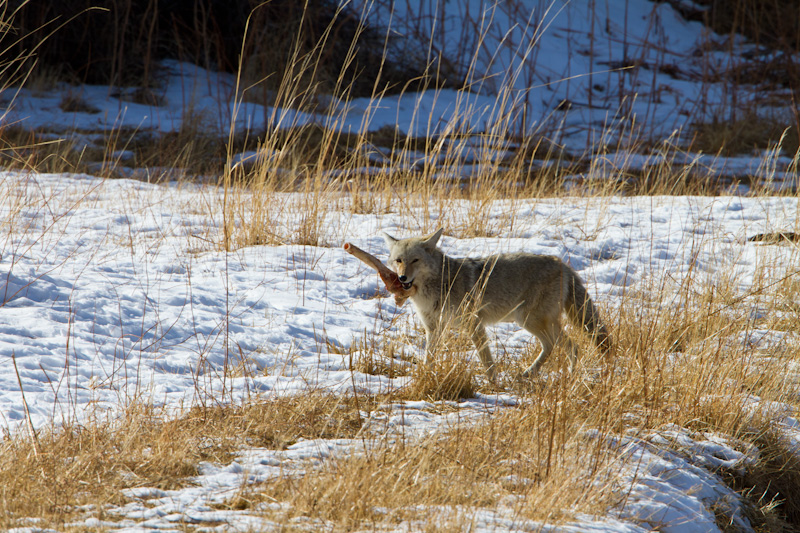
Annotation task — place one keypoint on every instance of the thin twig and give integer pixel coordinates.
(28, 421)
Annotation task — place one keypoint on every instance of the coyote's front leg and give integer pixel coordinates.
(432, 338)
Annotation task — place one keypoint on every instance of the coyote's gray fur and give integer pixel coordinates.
(531, 290)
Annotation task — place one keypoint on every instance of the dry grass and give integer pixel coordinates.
(30, 150)
(745, 135)
(448, 376)
(378, 355)
(523, 459)
(63, 469)
(90, 464)
(680, 348)
(771, 484)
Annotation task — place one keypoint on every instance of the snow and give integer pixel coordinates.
(676, 491)
(116, 290)
(118, 303)
(109, 296)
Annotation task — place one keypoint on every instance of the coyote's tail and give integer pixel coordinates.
(582, 312)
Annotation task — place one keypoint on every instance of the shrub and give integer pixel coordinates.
(118, 42)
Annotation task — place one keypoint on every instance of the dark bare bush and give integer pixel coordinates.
(772, 23)
(119, 42)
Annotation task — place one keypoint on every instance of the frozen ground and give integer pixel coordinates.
(112, 291)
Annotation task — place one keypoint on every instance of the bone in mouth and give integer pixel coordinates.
(388, 276)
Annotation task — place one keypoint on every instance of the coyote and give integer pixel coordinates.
(531, 290)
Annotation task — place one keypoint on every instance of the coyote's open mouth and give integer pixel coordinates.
(407, 285)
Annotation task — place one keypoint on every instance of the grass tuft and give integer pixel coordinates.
(746, 135)
(771, 483)
(446, 377)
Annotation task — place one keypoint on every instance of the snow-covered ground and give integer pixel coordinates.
(114, 291)
(590, 76)
(138, 300)
(613, 62)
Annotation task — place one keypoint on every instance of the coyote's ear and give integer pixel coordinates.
(390, 241)
(433, 239)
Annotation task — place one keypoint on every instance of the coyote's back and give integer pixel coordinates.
(531, 290)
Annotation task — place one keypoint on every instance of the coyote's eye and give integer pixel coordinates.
(414, 260)
(398, 261)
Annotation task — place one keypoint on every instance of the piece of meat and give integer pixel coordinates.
(388, 276)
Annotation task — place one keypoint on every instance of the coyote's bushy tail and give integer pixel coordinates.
(582, 312)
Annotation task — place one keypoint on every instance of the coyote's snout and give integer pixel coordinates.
(531, 290)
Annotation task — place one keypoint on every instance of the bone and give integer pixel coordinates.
(389, 277)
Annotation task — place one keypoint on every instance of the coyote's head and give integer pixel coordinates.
(414, 258)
